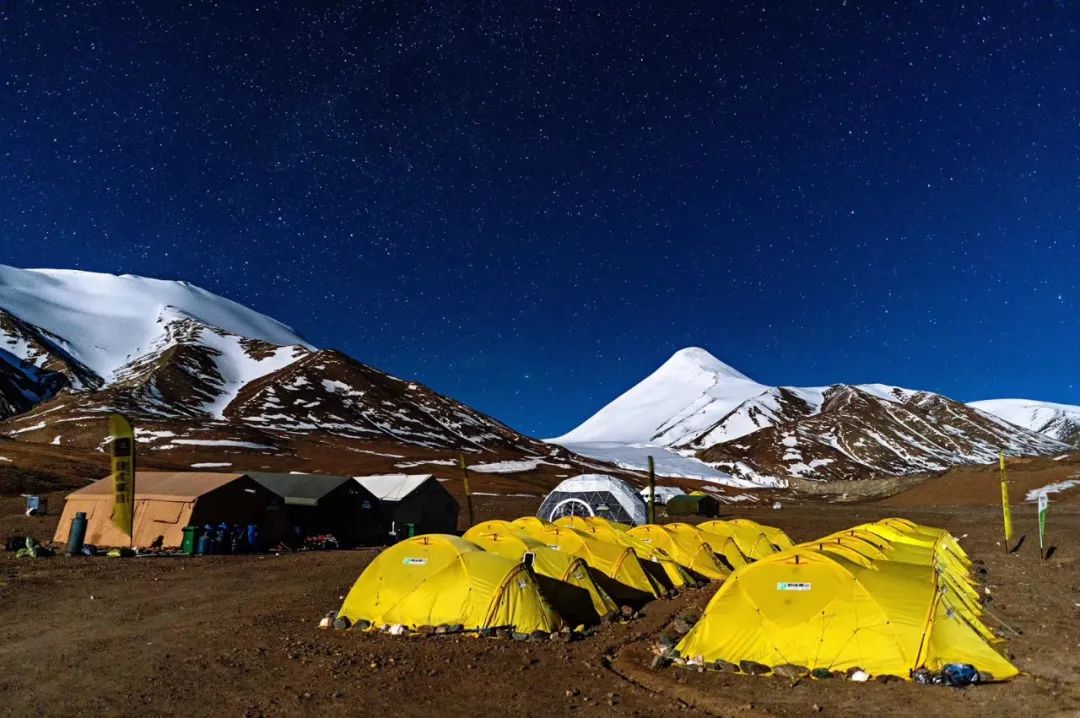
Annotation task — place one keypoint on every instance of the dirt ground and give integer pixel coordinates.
(238, 636)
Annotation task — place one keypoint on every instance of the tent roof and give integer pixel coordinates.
(393, 487)
(299, 489)
(167, 485)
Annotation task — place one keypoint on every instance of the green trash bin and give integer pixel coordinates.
(412, 529)
(191, 536)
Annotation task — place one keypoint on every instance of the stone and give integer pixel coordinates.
(790, 670)
(753, 668)
(341, 623)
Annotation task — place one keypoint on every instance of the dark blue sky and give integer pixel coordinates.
(530, 205)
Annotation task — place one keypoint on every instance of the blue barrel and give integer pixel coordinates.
(205, 546)
(253, 537)
(77, 534)
(222, 544)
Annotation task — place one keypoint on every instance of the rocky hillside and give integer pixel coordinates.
(211, 384)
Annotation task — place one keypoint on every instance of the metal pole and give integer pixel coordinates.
(468, 493)
(652, 491)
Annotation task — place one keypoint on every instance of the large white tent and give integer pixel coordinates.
(594, 495)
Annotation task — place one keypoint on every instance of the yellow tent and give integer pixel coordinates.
(721, 538)
(818, 610)
(777, 537)
(564, 580)
(685, 545)
(747, 535)
(619, 571)
(437, 579)
(657, 563)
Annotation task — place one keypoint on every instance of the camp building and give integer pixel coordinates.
(417, 499)
(166, 502)
(336, 505)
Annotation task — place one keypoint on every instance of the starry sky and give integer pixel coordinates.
(530, 205)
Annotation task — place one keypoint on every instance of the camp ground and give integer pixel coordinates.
(500, 586)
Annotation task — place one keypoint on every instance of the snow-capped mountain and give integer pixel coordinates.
(696, 406)
(1058, 421)
(206, 379)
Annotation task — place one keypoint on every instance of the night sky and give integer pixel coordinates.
(530, 205)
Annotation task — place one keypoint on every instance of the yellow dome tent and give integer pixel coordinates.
(818, 610)
(657, 563)
(721, 538)
(749, 536)
(437, 579)
(686, 546)
(564, 580)
(777, 537)
(619, 571)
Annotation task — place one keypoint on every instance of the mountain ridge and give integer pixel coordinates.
(769, 435)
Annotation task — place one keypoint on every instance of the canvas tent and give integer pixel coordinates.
(663, 494)
(693, 505)
(437, 579)
(166, 502)
(418, 499)
(594, 495)
(336, 505)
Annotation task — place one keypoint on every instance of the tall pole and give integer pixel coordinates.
(468, 493)
(1006, 512)
(652, 491)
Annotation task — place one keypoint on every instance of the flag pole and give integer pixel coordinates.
(468, 493)
(1006, 512)
(652, 491)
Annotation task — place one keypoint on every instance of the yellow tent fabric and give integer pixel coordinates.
(748, 536)
(564, 580)
(721, 538)
(619, 571)
(658, 563)
(776, 536)
(685, 546)
(818, 610)
(437, 579)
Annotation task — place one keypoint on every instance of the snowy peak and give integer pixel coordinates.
(685, 395)
(696, 406)
(195, 370)
(104, 321)
(694, 360)
(1058, 421)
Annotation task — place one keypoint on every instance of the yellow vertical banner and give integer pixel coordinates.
(122, 450)
(1006, 512)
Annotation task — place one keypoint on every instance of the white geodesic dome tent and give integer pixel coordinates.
(594, 495)
(663, 493)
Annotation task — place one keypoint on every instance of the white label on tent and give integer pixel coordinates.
(785, 586)
(555, 548)
(414, 561)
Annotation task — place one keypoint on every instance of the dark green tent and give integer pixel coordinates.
(335, 505)
(693, 505)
